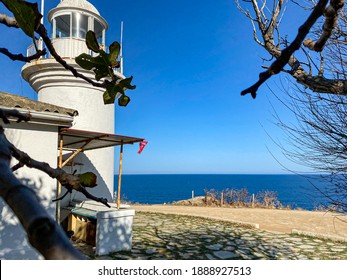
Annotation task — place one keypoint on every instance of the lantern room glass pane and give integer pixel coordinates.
(79, 25)
(62, 26)
(98, 29)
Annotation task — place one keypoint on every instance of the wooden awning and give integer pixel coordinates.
(89, 140)
(78, 141)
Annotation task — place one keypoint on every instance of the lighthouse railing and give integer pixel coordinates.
(69, 48)
(31, 50)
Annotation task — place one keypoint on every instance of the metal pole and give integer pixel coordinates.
(120, 175)
(42, 10)
(60, 164)
(121, 48)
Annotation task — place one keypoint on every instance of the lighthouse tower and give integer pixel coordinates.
(70, 21)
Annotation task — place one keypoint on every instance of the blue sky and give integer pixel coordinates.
(190, 61)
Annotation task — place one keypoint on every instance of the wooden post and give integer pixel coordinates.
(192, 197)
(120, 175)
(252, 200)
(71, 157)
(75, 153)
(60, 164)
(221, 198)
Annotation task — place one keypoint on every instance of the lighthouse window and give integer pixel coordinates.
(98, 29)
(79, 25)
(62, 26)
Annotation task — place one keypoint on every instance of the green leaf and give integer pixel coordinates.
(101, 72)
(98, 64)
(104, 69)
(123, 100)
(114, 52)
(85, 61)
(115, 88)
(26, 14)
(91, 42)
(88, 179)
(111, 92)
(109, 97)
(125, 83)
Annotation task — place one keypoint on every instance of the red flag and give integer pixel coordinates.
(142, 146)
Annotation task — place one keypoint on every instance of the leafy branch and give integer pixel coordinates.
(103, 66)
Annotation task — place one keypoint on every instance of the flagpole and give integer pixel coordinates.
(42, 21)
(121, 48)
(42, 10)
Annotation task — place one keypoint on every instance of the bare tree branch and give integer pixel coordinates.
(69, 181)
(287, 53)
(8, 21)
(318, 138)
(331, 16)
(21, 57)
(317, 83)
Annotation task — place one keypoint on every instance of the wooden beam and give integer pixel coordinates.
(60, 163)
(72, 156)
(120, 175)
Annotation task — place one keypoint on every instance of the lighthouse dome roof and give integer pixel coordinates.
(80, 4)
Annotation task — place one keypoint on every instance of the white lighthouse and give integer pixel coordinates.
(70, 21)
(72, 128)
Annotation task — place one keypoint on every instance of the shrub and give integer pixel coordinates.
(241, 198)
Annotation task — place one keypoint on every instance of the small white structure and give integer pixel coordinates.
(85, 139)
(39, 139)
(113, 228)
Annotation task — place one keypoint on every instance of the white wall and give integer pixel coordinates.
(102, 168)
(93, 115)
(40, 142)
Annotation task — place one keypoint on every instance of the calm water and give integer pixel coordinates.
(293, 190)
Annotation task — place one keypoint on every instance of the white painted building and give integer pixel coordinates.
(91, 132)
(38, 138)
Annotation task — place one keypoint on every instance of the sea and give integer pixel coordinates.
(295, 191)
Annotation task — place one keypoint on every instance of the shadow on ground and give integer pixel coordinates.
(176, 237)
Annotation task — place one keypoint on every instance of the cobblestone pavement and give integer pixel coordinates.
(174, 237)
(316, 223)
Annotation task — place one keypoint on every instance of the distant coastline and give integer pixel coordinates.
(295, 191)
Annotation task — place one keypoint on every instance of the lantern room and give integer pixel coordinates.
(70, 21)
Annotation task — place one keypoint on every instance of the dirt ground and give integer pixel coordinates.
(316, 223)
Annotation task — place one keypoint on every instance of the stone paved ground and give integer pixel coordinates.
(174, 237)
(312, 222)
